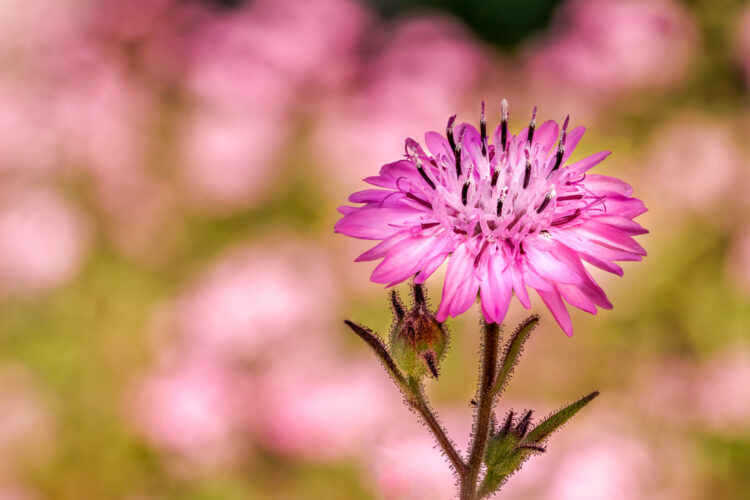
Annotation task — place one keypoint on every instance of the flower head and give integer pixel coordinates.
(507, 211)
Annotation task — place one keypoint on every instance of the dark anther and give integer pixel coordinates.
(483, 131)
(457, 154)
(465, 193)
(504, 124)
(456, 147)
(527, 174)
(568, 218)
(495, 175)
(499, 206)
(419, 200)
(428, 225)
(558, 158)
(449, 132)
(571, 197)
(532, 126)
(545, 202)
(424, 175)
(561, 146)
(398, 307)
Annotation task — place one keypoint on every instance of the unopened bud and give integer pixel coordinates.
(418, 340)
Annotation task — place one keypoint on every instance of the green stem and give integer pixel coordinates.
(483, 414)
(420, 405)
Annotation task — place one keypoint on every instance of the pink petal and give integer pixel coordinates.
(574, 137)
(403, 260)
(376, 223)
(371, 196)
(625, 225)
(575, 297)
(496, 289)
(438, 145)
(559, 311)
(546, 135)
(519, 286)
(461, 285)
(603, 184)
(547, 265)
(587, 163)
(608, 235)
(382, 248)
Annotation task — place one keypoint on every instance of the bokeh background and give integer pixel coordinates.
(171, 290)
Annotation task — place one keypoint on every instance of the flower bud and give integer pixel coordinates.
(418, 340)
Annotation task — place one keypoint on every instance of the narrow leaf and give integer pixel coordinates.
(513, 352)
(379, 348)
(558, 419)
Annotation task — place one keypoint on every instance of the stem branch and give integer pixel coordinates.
(412, 391)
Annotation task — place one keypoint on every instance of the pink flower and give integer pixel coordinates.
(510, 212)
(250, 302)
(431, 63)
(191, 409)
(407, 466)
(250, 71)
(43, 241)
(678, 158)
(322, 411)
(722, 396)
(608, 466)
(245, 335)
(601, 48)
(23, 117)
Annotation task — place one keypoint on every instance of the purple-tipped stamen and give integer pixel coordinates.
(532, 127)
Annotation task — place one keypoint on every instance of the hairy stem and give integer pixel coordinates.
(483, 413)
(419, 404)
(412, 391)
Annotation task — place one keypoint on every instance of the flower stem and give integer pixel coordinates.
(483, 413)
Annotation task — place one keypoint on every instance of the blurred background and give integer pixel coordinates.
(171, 290)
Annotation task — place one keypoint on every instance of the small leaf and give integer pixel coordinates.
(558, 419)
(513, 352)
(504, 455)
